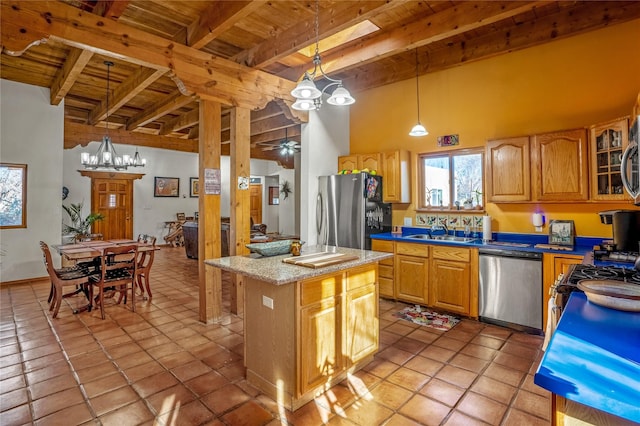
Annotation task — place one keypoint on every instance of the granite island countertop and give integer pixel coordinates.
(273, 270)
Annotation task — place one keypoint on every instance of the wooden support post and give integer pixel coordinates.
(209, 238)
(240, 206)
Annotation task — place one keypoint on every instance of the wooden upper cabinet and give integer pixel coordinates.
(370, 161)
(347, 162)
(560, 167)
(396, 187)
(607, 142)
(508, 173)
(360, 161)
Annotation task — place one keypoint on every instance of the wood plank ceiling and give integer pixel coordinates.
(168, 53)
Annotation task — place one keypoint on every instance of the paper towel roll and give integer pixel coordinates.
(486, 228)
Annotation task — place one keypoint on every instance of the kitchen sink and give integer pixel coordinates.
(450, 238)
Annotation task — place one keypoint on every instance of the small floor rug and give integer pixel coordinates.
(423, 316)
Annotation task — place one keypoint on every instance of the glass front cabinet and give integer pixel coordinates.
(608, 141)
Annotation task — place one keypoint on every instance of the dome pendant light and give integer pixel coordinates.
(418, 129)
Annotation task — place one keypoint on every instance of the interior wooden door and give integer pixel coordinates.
(255, 192)
(113, 198)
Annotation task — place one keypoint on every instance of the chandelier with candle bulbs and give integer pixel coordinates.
(106, 156)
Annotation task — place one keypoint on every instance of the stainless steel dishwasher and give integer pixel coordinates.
(511, 289)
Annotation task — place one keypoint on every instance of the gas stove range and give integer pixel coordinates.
(569, 282)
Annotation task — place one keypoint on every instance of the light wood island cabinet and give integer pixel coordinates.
(453, 279)
(560, 167)
(306, 329)
(412, 273)
(319, 330)
(508, 173)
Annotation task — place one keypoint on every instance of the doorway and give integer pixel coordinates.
(112, 196)
(255, 194)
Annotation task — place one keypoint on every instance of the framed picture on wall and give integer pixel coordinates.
(166, 187)
(193, 187)
(13, 187)
(274, 195)
(561, 232)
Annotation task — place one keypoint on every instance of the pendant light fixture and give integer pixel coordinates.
(418, 129)
(106, 157)
(308, 96)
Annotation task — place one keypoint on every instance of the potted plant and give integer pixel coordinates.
(79, 228)
(478, 196)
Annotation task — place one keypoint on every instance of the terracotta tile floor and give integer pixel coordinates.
(162, 366)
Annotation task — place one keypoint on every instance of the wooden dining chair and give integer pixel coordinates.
(145, 260)
(117, 275)
(76, 277)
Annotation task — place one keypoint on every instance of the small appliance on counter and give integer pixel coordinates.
(626, 229)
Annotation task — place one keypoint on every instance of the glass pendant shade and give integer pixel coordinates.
(418, 130)
(306, 89)
(304, 105)
(341, 96)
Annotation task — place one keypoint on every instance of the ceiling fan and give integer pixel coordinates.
(286, 146)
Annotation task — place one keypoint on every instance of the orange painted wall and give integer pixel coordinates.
(565, 84)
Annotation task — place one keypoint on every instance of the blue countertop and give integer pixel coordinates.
(583, 245)
(594, 358)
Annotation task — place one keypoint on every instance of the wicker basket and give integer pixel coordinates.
(273, 248)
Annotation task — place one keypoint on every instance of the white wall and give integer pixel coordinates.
(150, 213)
(324, 138)
(31, 133)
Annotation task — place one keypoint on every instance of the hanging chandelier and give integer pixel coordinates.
(418, 129)
(308, 96)
(106, 156)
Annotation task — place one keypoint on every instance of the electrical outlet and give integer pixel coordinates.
(408, 221)
(267, 301)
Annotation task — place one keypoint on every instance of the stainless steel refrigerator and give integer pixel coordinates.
(349, 210)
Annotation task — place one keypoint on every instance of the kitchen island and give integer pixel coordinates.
(592, 365)
(306, 328)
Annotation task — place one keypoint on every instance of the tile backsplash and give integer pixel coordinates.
(451, 221)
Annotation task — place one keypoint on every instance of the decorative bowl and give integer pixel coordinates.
(272, 248)
(612, 294)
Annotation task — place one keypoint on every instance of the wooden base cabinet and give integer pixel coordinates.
(552, 266)
(412, 267)
(453, 279)
(317, 331)
(570, 413)
(385, 268)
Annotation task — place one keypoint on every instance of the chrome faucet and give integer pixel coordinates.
(439, 227)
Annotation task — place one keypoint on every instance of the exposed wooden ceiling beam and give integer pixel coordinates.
(81, 134)
(218, 18)
(68, 74)
(126, 91)
(341, 16)
(180, 122)
(224, 81)
(453, 21)
(547, 28)
(110, 8)
(165, 106)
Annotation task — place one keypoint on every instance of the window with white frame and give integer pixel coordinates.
(451, 180)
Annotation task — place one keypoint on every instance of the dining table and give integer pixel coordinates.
(72, 254)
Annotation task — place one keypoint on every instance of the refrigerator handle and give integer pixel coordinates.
(319, 211)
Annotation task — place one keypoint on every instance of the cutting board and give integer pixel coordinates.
(553, 247)
(320, 260)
